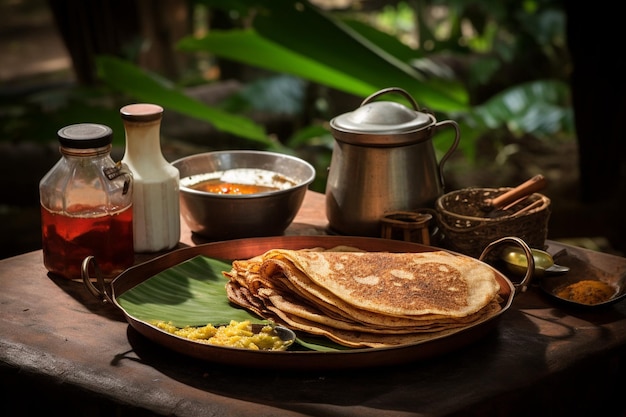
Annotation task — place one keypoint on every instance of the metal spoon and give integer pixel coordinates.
(515, 261)
(286, 335)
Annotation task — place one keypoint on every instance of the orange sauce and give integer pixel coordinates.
(220, 187)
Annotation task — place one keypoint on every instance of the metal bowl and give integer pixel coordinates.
(231, 216)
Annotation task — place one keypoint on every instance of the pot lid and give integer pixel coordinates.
(383, 122)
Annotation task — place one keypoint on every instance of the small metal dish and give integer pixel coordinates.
(582, 270)
(552, 285)
(551, 277)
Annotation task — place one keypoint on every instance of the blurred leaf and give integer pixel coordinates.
(248, 47)
(38, 116)
(540, 108)
(296, 38)
(482, 70)
(305, 29)
(130, 80)
(542, 120)
(315, 135)
(385, 41)
(279, 94)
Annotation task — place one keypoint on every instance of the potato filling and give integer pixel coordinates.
(235, 334)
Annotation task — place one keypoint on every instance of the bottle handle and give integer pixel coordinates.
(118, 170)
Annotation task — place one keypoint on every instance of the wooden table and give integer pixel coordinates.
(62, 351)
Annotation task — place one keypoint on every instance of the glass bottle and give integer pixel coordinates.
(86, 205)
(156, 205)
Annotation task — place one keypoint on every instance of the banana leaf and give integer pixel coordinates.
(193, 293)
(247, 47)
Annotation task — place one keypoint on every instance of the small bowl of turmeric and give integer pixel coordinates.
(590, 292)
(582, 285)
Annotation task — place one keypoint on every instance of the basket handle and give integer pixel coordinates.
(441, 222)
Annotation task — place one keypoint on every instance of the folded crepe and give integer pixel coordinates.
(366, 299)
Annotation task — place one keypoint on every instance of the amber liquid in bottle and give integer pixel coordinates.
(67, 240)
(86, 206)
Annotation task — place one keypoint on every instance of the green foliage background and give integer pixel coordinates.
(499, 68)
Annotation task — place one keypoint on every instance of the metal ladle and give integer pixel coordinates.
(516, 262)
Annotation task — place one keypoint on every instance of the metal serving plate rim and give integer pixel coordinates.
(299, 360)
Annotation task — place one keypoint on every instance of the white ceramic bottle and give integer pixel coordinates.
(156, 206)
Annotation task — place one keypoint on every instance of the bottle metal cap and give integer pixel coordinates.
(85, 136)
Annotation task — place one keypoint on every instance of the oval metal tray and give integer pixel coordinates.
(298, 360)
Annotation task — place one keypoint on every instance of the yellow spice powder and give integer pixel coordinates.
(586, 292)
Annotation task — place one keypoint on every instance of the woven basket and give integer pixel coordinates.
(468, 228)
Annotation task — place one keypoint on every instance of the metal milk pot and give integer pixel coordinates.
(383, 160)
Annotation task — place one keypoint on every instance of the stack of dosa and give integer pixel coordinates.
(366, 299)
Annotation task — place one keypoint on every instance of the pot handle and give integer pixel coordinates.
(405, 94)
(457, 137)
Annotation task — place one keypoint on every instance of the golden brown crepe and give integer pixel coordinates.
(366, 299)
